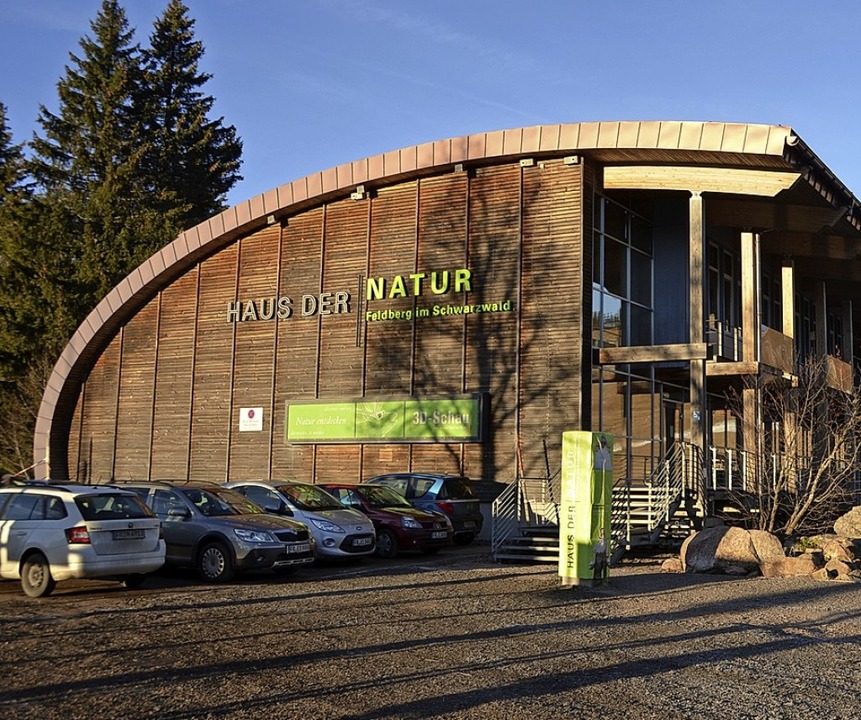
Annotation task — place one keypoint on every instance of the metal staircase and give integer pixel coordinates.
(526, 514)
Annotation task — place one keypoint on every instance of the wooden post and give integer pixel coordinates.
(696, 332)
(750, 330)
(791, 437)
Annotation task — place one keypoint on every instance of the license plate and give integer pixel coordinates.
(296, 549)
(439, 535)
(362, 541)
(128, 534)
(469, 524)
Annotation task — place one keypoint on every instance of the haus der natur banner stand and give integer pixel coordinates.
(586, 499)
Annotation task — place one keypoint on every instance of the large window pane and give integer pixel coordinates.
(612, 335)
(641, 278)
(641, 234)
(641, 325)
(615, 267)
(596, 318)
(615, 220)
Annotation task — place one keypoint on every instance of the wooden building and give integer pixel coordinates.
(457, 305)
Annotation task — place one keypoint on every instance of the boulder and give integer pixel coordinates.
(729, 548)
(839, 548)
(672, 565)
(849, 525)
(789, 566)
(766, 546)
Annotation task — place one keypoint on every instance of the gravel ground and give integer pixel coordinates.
(453, 636)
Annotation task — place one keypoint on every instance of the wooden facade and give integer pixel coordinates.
(749, 263)
(163, 398)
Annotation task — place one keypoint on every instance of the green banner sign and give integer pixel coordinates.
(411, 420)
(585, 506)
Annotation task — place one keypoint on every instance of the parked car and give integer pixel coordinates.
(54, 531)
(219, 532)
(399, 525)
(340, 532)
(452, 495)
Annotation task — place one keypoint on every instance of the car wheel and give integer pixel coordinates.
(36, 579)
(464, 538)
(135, 580)
(387, 544)
(215, 564)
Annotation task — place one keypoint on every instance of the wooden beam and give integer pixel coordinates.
(827, 247)
(765, 183)
(652, 353)
(723, 369)
(765, 215)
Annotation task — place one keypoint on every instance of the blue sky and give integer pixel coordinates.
(310, 84)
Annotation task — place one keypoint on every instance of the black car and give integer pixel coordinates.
(452, 495)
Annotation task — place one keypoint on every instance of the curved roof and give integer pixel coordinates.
(701, 143)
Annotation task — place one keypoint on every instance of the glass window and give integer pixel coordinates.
(112, 506)
(641, 234)
(611, 322)
(23, 507)
(615, 268)
(615, 221)
(641, 325)
(641, 279)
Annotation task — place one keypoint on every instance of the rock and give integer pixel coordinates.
(849, 525)
(729, 549)
(789, 566)
(839, 548)
(672, 565)
(836, 568)
(766, 546)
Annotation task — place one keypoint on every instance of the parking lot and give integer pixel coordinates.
(454, 635)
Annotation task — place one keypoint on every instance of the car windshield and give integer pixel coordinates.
(378, 496)
(220, 501)
(112, 506)
(310, 497)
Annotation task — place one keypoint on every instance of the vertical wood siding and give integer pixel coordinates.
(135, 400)
(254, 353)
(491, 346)
(171, 422)
(213, 368)
(182, 371)
(389, 344)
(550, 319)
(98, 429)
(296, 363)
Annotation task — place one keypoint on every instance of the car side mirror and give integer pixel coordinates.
(278, 509)
(179, 513)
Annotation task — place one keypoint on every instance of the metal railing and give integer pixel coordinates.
(646, 508)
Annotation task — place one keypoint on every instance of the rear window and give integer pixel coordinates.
(112, 506)
(457, 489)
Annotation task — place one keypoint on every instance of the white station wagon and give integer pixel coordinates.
(51, 532)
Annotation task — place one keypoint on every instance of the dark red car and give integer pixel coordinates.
(399, 525)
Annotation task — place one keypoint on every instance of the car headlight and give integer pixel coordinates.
(327, 526)
(408, 522)
(253, 535)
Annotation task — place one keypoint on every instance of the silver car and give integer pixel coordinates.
(219, 532)
(53, 531)
(340, 532)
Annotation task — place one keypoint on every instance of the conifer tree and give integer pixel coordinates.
(12, 164)
(192, 161)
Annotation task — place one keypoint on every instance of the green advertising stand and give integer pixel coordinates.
(585, 507)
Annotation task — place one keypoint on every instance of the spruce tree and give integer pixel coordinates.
(192, 161)
(12, 165)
